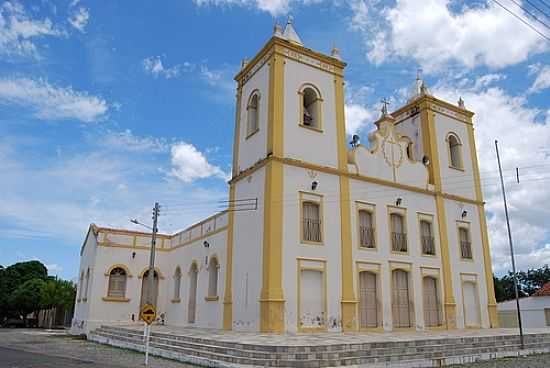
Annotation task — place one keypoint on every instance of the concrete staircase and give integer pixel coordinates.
(436, 352)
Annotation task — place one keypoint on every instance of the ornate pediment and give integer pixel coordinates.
(388, 158)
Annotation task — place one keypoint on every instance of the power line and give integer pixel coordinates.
(531, 14)
(523, 21)
(537, 8)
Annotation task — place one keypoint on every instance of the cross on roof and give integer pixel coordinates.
(385, 104)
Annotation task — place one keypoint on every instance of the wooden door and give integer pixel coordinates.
(368, 300)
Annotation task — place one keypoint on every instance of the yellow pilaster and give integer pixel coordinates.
(348, 302)
(228, 296)
(430, 148)
(487, 264)
(272, 300)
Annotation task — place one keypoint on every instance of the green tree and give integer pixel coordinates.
(26, 298)
(58, 293)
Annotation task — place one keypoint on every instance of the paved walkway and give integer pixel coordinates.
(328, 338)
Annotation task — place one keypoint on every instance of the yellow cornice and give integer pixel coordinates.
(335, 171)
(424, 102)
(276, 44)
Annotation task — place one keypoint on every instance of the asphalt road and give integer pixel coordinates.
(13, 358)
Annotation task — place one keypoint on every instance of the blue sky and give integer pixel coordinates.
(106, 107)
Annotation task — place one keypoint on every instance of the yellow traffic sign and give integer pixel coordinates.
(148, 313)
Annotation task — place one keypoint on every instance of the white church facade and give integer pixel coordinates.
(388, 236)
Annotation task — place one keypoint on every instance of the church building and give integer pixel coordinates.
(390, 235)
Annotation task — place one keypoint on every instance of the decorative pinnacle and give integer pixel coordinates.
(278, 30)
(461, 103)
(335, 52)
(290, 19)
(244, 63)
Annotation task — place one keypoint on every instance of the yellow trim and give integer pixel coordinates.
(250, 133)
(237, 134)
(319, 202)
(272, 303)
(323, 270)
(421, 216)
(212, 298)
(114, 299)
(278, 46)
(462, 282)
(319, 99)
(348, 302)
(338, 172)
(118, 265)
(228, 293)
(429, 138)
(175, 300)
(370, 208)
(157, 270)
(460, 155)
(401, 211)
(491, 300)
(379, 297)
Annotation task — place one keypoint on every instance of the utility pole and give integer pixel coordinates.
(511, 249)
(151, 292)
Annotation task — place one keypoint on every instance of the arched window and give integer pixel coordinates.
(427, 238)
(311, 226)
(117, 283)
(177, 283)
(366, 229)
(213, 267)
(465, 243)
(455, 151)
(87, 282)
(310, 108)
(252, 114)
(398, 233)
(80, 283)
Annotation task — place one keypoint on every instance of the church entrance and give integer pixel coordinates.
(192, 306)
(368, 304)
(145, 289)
(401, 299)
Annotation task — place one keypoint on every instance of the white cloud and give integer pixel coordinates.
(523, 137)
(542, 80)
(19, 32)
(154, 66)
(434, 35)
(273, 7)
(189, 164)
(50, 102)
(357, 118)
(79, 18)
(128, 141)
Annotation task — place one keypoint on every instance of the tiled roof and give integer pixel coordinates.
(543, 291)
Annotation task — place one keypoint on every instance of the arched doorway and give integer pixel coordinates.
(368, 300)
(432, 309)
(401, 300)
(192, 306)
(145, 289)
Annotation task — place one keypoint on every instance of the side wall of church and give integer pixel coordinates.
(82, 309)
(247, 254)
(209, 311)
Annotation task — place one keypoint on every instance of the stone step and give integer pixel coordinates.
(327, 358)
(330, 352)
(392, 345)
(317, 363)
